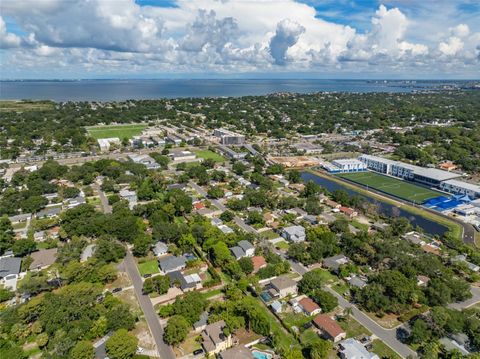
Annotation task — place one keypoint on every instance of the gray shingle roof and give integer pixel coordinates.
(9, 265)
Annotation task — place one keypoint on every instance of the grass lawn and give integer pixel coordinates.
(284, 339)
(120, 131)
(383, 351)
(212, 293)
(283, 245)
(19, 225)
(392, 186)
(340, 288)
(269, 234)
(353, 328)
(210, 155)
(294, 319)
(148, 267)
(309, 337)
(93, 201)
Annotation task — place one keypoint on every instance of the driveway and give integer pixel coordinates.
(469, 302)
(164, 350)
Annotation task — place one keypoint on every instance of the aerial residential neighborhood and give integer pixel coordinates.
(185, 248)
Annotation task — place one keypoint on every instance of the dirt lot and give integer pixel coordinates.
(145, 339)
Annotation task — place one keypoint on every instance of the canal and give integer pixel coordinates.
(386, 209)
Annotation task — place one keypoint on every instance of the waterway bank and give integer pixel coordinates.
(432, 223)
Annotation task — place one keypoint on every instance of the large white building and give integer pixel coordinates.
(350, 165)
(228, 137)
(428, 176)
(105, 143)
(460, 187)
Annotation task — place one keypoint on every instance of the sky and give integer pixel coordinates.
(73, 39)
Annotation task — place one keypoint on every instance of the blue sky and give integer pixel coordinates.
(240, 38)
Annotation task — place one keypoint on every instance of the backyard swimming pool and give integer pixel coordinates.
(261, 355)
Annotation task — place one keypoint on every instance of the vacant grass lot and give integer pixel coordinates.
(210, 155)
(392, 186)
(7, 106)
(120, 131)
(148, 267)
(383, 350)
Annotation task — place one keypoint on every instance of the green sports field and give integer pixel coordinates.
(393, 186)
(207, 154)
(120, 131)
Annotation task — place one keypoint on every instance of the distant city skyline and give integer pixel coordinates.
(324, 39)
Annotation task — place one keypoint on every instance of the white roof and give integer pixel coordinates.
(432, 173)
(466, 185)
(349, 161)
(353, 349)
(193, 278)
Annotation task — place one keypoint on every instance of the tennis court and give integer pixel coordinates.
(392, 186)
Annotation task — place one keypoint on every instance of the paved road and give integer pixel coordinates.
(164, 350)
(103, 199)
(388, 336)
(469, 302)
(240, 222)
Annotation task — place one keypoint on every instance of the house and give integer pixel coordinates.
(237, 252)
(240, 352)
(43, 258)
(463, 259)
(87, 252)
(247, 247)
(276, 306)
(352, 349)
(331, 204)
(415, 238)
(225, 229)
(447, 166)
(130, 196)
(39, 236)
(310, 218)
(172, 263)
(176, 186)
(49, 212)
(349, 212)
(243, 249)
(458, 342)
(201, 324)
(160, 249)
(309, 307)
(329, 328)
(284, 286)
(198, 205)
(357, 282)
(213, 338)
(258, 262)
(294, 234)
(334, 263)
(269, 218)
(186, 283)
(9, 265)
(19, 218)
(380, 227)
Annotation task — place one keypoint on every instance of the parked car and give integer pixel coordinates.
(147, 275)
(116, 290)
(198, 352)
